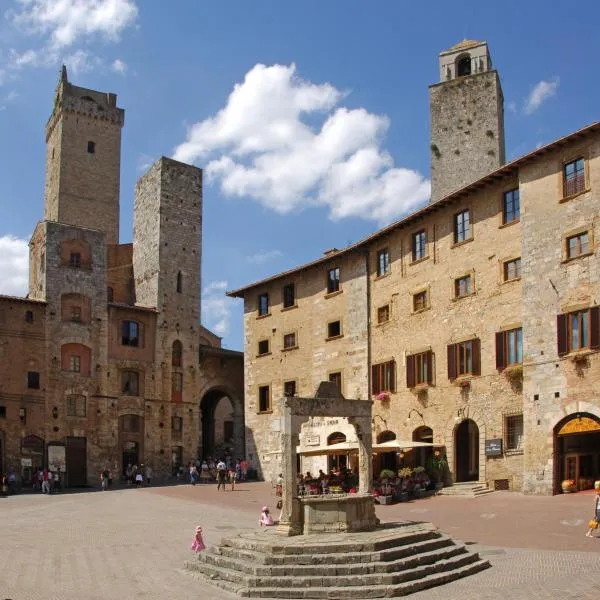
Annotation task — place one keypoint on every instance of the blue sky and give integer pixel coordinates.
(311, 118)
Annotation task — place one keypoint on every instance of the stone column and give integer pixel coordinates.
(365, 455)
(290, 522)
(239, 436)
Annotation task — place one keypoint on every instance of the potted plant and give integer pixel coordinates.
(514, 373)
(568, 486)
(383, 396)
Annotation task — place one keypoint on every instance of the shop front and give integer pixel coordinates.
(32, 458)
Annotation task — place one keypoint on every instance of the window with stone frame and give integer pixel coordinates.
(509, 348)
(29, 316)
(75, 314)
(289, 295)
(574, 177)
(130, 383)
(578, 330)
(383, 262)
(383, 377)
(33, 380)
(130, 333)
(75, 259)
(420, 301)
(511, 207)
(263, 347)
(333, 280)
(263, 305)
(264, 398)
(91, 147)
(383, 314)
(464, 358)
(463, 230)
(176, 387)
(578, 245)
(511, 269)
(76, 405)
(177, 354)
(289, 341)
(463, 286)
(177, 427)
(131, 423)
(289, 388)
(419, 369)
(513, 432)
(419, 245)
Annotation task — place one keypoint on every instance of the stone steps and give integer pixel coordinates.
(392, 561)
(469, 489)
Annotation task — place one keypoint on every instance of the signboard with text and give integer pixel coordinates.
(493, 447)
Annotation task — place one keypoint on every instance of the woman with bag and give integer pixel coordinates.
(593, 524)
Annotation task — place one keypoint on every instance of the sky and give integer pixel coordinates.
(310, 119)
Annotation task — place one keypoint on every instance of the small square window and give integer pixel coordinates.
(75, 364)
(177, 424)
(130, 333)
(130, 383)
(334, 329)
(289, 295)
(512, 269)
(263, 347)
(289, 388)
(76, 406)
(33, 380)
(263, 305)
(383, 262)
(513, 432)
(511, 207)
(383, 314)
(29, 316)
(463, 286)
(419, 245)
(578, 245)
(333, 280)
(289, 341)
(574, 177)
(91, 147)
(75, 259)
(76, 314)
(420, 301)
(264, 398)
(462, 227)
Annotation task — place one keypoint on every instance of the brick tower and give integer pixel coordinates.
(467, 118)
(83, 158)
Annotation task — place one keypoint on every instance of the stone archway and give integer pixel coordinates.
(466, 450)
(217, 437)
(448, 440)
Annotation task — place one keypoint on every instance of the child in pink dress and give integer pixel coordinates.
(198, 543)
(265, 517)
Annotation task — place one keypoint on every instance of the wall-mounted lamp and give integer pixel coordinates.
(379, 417)
(410, 413)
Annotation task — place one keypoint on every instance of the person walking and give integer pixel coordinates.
(148, 475)
(221, 475)
(45, 482)
(104, 480)
(244, 468)
(593, 524)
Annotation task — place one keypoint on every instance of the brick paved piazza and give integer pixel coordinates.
(132, 543)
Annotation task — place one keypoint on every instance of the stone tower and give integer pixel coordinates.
(467, 118)
(83, 158)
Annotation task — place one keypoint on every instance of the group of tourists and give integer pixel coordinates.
(134, 475)
(224, 471)
(8, 483)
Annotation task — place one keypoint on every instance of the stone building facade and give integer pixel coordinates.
(105, 360)
(473, 323)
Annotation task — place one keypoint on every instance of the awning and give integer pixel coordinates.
(341, 448)
(399, 445)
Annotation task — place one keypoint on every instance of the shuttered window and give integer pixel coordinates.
(509, 348)
(464, 358)
(419, 369)
(383, 377)
(578, 330)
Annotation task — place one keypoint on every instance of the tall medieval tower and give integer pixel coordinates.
(83, 159)
(467, 118)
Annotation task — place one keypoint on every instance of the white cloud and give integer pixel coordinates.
(216, 308)
(119, 66)
(14, 266)
(263, 256)
(512, 107)
(64, 22)
(144, 162)
(264, 144)
(540, 93)
(81, 61)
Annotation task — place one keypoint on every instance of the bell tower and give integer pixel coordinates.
(83, 159)
(467, 118)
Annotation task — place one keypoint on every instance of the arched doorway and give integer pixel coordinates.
(466, 451)
(577, 451)
(222, 426)
(387, 460)
(131, 440)
(336, 462)
(422, 455)
(463, 65)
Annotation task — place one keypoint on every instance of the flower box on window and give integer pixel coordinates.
(514, 373)
(383, 396)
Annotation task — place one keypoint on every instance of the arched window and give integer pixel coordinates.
(336, 438)
(386, 436)
(130, 383)
(176, 354)
(463, 66)
(179, 282)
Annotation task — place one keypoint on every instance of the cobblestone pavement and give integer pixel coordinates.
(131, 544)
